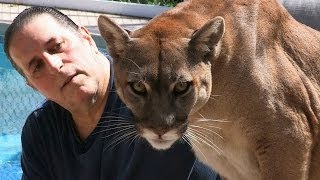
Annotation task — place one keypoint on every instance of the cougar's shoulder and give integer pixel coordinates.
(239, 78)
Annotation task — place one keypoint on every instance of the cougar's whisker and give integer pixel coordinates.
(189, 135)
(134, 138)
(186, 139)
(105, 130)
(216, 127)
(133, 73)
(213, 97)
(210, 130)
(206, 140)
(120, 125)
(212, 120)
(122, 129)
(134, 63)
(120, 139)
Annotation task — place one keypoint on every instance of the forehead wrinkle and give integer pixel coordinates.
(143, 52)
(173, 65)
(147, 74)
(164, 66)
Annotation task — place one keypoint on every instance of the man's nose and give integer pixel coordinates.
(53, 62)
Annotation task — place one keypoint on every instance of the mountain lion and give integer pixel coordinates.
(237, 79)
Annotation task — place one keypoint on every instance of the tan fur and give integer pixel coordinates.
(263, 95)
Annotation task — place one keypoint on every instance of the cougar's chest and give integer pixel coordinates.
(226, 149)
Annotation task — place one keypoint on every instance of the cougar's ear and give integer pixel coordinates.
(114, 35)
(204, 42)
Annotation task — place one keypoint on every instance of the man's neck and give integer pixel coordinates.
(87, 119)
(87, 122)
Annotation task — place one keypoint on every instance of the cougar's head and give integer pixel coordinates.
(163, 74)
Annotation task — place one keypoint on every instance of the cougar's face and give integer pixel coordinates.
(162, 86)
(163, 73)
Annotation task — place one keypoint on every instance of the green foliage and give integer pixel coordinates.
(170, 3)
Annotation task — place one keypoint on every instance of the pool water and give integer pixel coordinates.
(17, 100)
(10, 149)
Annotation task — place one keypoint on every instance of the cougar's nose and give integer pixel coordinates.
(160, 131)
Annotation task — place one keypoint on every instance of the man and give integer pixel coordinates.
(83, 131)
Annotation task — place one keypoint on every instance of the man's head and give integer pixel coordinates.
(25, 17)
(57, 58)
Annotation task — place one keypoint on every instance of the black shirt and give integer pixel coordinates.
(51, 149)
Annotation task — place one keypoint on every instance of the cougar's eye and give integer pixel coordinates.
(181, 87)
(138, 88)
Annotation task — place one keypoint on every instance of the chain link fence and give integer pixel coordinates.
(17, 99)
(169, 3)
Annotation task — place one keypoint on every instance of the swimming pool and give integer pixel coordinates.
(17, 100)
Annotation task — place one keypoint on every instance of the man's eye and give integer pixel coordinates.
(36, 67)
(57, 47)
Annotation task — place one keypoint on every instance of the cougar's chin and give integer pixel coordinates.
(160, 142)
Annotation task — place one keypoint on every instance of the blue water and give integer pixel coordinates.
(17, 100)
(10, 149)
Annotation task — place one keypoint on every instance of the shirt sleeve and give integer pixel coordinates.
(32, 158)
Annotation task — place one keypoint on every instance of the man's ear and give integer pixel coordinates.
(86, 34)
(30, 84)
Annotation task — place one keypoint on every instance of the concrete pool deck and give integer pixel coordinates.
(83, 18)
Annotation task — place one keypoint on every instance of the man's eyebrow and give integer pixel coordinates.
(50, 41)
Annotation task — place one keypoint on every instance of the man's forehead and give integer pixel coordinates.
(32, 37)
(43, 28)
(42, 19)
(44, 23)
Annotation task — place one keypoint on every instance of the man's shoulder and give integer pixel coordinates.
(43, 118)
(47, 109)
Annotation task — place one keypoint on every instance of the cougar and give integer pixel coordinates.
(236, 79)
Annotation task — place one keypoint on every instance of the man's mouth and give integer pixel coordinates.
(68, 80)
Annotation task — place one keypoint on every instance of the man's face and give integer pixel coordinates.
(58, 62)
